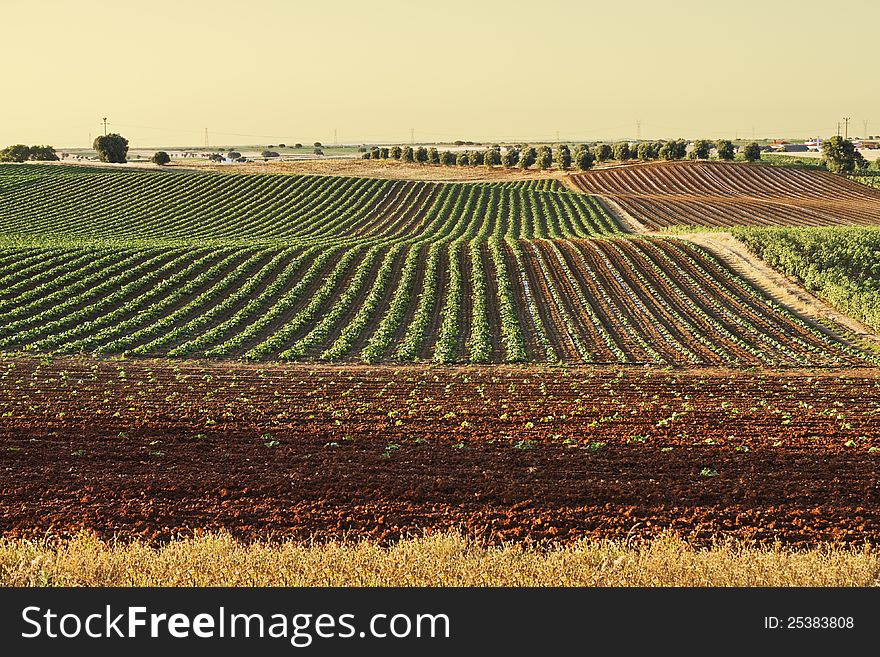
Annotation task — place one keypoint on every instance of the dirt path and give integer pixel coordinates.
(779, 287)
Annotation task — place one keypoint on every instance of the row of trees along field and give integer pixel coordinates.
(580, 156)
(841, 264)
(22, 153)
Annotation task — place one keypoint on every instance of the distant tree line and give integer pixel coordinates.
(22, 153)
(581, 157)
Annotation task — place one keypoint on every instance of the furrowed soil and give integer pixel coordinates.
(156, 449)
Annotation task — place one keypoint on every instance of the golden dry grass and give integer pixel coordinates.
(439, 560)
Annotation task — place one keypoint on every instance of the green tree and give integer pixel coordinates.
(645, 151)
(477, 159)
(384, 152)
(583, 157)
(492, 157)
(752, 152)
(563, 157)
(395, 152)
(675, 149)
(545, 157)
(447, 158)
(421, 155)
(527, 157)
(160, 158)
(407, 154)
(725, 149)
(702, 148)
(433, 156)
(111, 148)
(841, 156)
(374, 153)
(603, 152)
(43, 154)
(622, 151)
(462, 159)
(510, 157)
(15, 153)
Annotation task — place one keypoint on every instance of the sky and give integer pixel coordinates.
(269, 71)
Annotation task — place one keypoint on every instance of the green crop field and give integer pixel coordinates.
(258, 266)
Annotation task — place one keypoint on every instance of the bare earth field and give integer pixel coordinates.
(357, 167)
(154, 450)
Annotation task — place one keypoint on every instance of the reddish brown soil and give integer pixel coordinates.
(154, 449)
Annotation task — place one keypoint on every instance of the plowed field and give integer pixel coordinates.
(721, 195)
(153, 450)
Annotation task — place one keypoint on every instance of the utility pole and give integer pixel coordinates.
(334, 137)
(846, 121)
(206, 138)
(105, 126)
(412, 136)
(838, 128)
(639, 130)
(864, 128)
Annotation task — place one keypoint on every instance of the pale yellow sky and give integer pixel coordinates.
(264, 71)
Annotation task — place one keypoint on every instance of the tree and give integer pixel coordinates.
(545, 157)
(318, 151)
(840, 155)
(269, 154)
(675, 149)
(583, 157)
(433, 156)
(492, 157)
(421, 155)
(15, 153)
(510, 157)
(622, 151)
(366, 155)
(43, 154)
(374, 153)
(462, 159)
(702, 148)
(383, 152)
(111, 148)
(725, 149)
(527, 157)
(233, 155)
(645, 151)
(447, 158)
(877, 163)
(395, 152)
(603, 152)
(752, 152)
(161, 158)
(476, 158)
(297, 145)
(563, 157)
(407, 154)
(318, 144)
(282, 145)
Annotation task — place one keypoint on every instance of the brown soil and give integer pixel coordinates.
(154, 449)
(379, 169)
